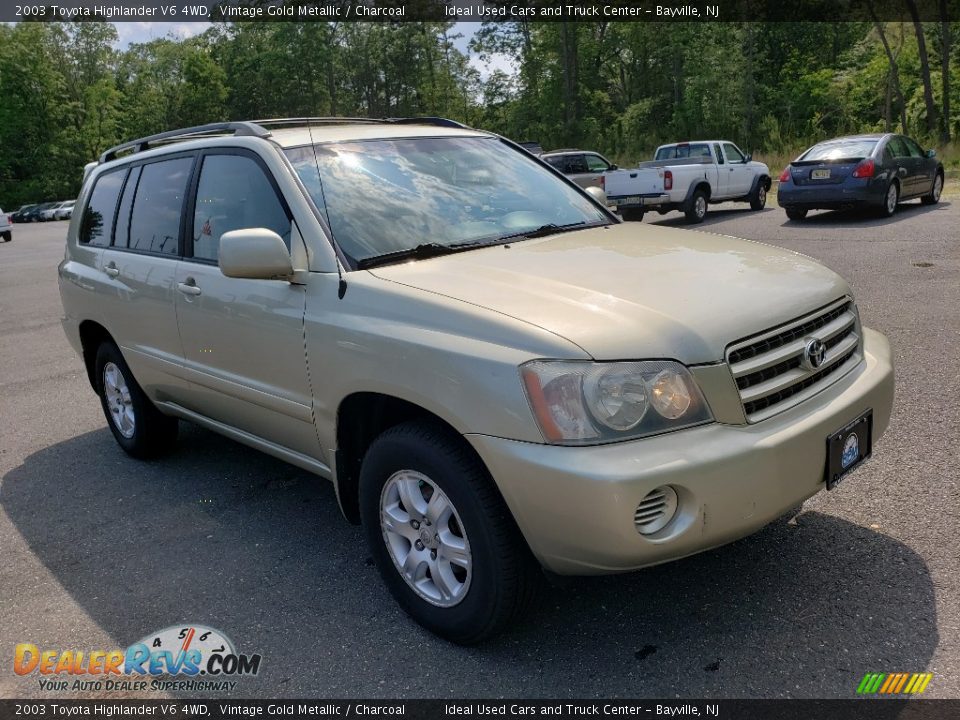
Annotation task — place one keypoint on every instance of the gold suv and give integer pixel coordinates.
(494, 372)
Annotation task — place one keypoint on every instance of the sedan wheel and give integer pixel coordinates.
(891, 200)
(933, 197)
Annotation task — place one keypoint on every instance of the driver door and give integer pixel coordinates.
(739, 173)
(242, 339)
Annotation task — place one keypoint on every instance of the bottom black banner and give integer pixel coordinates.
(867, 709)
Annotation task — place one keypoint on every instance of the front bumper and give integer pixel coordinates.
(575, 505)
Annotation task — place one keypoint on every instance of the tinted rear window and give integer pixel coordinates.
(96, 226)
(155, 223)
(674, 152)
(846, 149)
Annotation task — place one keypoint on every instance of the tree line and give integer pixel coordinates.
(620, 88)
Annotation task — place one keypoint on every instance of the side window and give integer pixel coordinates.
(576, 164)
(913, 148)
(121, 234)
(898, 147)
(733, 155)
(596, 163)
(155, 221)
(718, 154)
(557, 162)
(233, 194)
(96, 225)
(887, 152)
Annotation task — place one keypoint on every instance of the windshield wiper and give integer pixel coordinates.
(550, 229)
(419, 252)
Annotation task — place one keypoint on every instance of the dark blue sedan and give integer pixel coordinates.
(875, 171)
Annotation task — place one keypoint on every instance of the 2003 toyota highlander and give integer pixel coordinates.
(494, 372)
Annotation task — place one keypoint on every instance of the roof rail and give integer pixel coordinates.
(144, 143)
(305, 120)
(439, 121)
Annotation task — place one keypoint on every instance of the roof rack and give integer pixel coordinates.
(144, 143)
(258, 128)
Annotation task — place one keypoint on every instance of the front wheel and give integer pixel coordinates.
(139, 428)
(758, 198)
(890, 200)
(796, 214)
(933, 197)
(632, 214)
(697, 207)
(441, 536)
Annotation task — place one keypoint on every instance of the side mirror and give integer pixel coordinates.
(931, 153)
(255, 254)
(597, 194)
(747, 158)
(613, 167)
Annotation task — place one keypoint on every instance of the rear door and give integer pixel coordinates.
(136, 215)
(739, 173)
(905, 166)
(243, 339)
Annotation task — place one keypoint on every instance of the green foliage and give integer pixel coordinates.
(617, 87)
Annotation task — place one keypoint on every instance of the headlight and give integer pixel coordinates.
(578, 403)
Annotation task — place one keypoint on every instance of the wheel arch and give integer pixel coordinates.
(699, 185)
(92, 335)
(361, 418)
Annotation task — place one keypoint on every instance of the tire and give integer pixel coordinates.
(890, 199)
(933, 197)
(758, 198)
(796, 214)
(632, 214)
(7, 236)
(139, 428)
(696, 209)
(496, 577)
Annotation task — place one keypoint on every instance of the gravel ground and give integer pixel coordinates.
(97, 550)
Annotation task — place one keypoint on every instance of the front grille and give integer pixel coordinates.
(771, 371)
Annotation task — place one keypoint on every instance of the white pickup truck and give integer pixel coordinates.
(688, 176)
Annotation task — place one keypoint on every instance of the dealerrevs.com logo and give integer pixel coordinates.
(180, 657)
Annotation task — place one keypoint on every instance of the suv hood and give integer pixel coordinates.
(630, 291)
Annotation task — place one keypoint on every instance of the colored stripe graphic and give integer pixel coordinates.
(894, 683)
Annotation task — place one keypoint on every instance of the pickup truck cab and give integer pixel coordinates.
(687, 177)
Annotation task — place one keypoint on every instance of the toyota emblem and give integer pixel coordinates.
(815, 353)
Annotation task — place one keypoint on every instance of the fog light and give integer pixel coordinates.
(655, 510)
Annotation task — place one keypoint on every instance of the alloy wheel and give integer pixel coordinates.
(118, 399)
(425, 538)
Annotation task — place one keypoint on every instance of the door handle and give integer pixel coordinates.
(111, 269)
(189, 287)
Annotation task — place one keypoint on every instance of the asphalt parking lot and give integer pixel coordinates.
(97, 550)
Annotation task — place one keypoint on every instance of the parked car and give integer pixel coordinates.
(35, 214)
(65, 212)
(687, 177)
(6, 227)
(51, 212)
(585, 168)
(20, 215)
(873, 171)
(495, 372)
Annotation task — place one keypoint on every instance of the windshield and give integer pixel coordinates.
(846, 149)
(385, 196)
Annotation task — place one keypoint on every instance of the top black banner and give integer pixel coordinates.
(180, 11)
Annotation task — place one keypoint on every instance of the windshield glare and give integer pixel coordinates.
(383, 196)
(852, 149)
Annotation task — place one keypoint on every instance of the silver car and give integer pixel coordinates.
(494, 372)
(585, 168)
